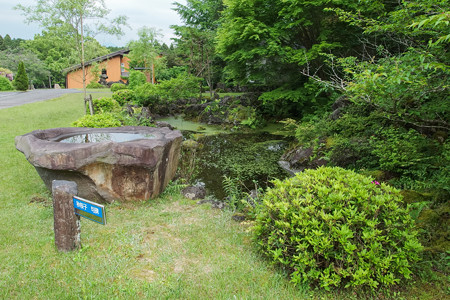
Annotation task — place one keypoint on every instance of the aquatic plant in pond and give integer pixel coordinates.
(248, 157)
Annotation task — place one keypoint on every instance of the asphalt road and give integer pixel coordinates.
(10, 99)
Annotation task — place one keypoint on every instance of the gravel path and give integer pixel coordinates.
(10, 99)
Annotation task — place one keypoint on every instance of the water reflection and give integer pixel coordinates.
(103, 137)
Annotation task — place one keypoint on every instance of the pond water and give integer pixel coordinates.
(103, 137)
(250, 156)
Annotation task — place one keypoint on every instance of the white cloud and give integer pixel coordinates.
(150, 13)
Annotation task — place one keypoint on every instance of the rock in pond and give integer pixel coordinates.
(129, 163)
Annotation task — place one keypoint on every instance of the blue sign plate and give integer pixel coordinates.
(89, 210)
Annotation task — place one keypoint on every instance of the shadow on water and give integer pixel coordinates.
(251, 157)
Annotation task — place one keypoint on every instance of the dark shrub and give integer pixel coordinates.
(21, 80)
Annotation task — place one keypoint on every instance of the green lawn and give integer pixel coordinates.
(167, 248)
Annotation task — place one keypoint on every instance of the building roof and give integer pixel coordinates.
(97, 59)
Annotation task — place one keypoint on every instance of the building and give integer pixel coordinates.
(113, 65)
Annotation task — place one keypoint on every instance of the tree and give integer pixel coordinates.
(408, 79)
(2, 44)
(76, 19)
(37, 71)
(7, 42)
(271, 41)
(145, 52)
(21, 80)
(59, 53)
(197, 36)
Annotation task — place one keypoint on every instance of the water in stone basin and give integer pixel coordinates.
(103, 137)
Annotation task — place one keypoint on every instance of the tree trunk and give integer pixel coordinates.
(83, 70)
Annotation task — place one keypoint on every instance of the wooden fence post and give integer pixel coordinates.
(67, 225)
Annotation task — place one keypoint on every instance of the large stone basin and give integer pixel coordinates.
(121, 163)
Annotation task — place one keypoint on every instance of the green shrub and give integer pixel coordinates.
(118, 86)
(334, 227)
(5, 84)
(21, 80)
(184, 86)
(136, 79)
(123, 96)
(98, 121)
(146, 94)
(95, 85)
(173, 72)
(105, 104)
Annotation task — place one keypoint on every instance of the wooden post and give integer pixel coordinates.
(67, 225)
(91, 105)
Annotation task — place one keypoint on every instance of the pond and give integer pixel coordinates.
(248, 156)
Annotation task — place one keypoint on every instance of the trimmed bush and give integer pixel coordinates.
(334, 227)
(21, 80)
(98, 121)
(5, 84)
(118, 86)
(123, 96)
(105, 104)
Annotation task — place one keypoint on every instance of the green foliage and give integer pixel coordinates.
(408, 88)
(333, 227)
(145, 52)
(169, 73)
(136, 79)
(36, 69)
(95, 85)
(267, 41)
(310, 98)
(104, 105)
(246, 116)
(5, 84)
(98, 121)
(21, 79)
(146, 94)
(196, 38)
(123, 96)
(118, 86)
(365, 140)
(136, 116)
(58, 51)
(184, 86)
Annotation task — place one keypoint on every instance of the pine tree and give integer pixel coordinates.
(2, 45)
(7, 42)
(21, 80)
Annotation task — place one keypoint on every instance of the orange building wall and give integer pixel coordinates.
(74, 79)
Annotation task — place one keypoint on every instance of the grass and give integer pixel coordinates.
(168, 248)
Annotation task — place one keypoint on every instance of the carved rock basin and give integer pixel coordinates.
(120, 163)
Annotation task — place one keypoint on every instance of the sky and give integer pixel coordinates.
(140, 13)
